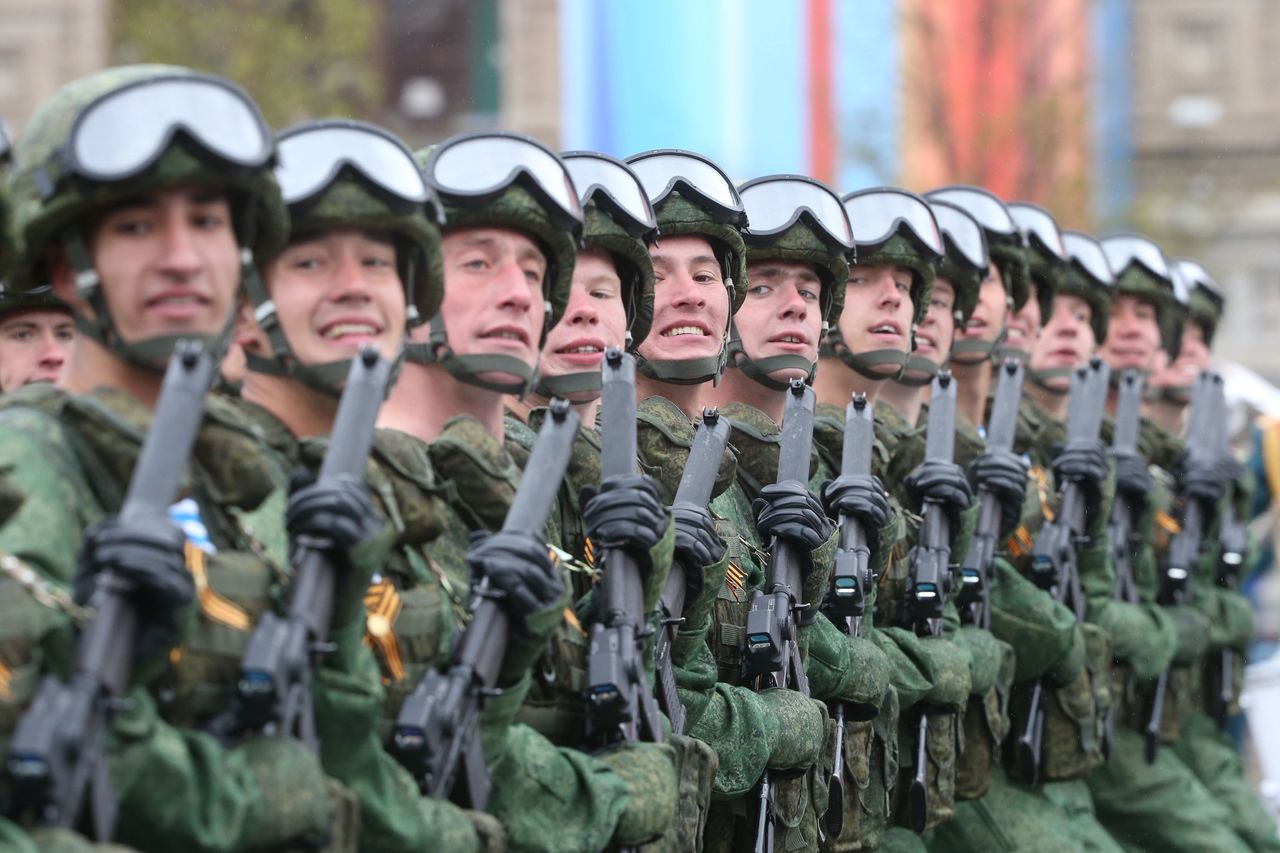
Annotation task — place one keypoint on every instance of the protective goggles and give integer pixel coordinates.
(1124, 249)
(1181, 288)
(127, 130)
(611, 185)
(483, 165)
(1087, 254)
(1198, 278)
(876, 214)
(775, 203)
(312, 154)
(1036, 222)
(991, 212)
(963, 232)
(666, 169)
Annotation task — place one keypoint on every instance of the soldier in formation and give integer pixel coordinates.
(874, 521)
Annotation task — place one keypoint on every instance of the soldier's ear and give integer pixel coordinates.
(247, 333)
(61, 275)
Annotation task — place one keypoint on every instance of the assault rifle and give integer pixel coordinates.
(1120, 536)
(975, 589)
(619, 700)
(1203, 441)
(930, 577)
(846, 600)
(696, 483)
(1054, 565)
(438, 727)
(771, 655)
(57, 755)
(273, 694)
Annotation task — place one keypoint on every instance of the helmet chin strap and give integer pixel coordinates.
(1042, 378)
(466, 368)
(689, 371)
(568, 384)
(864, 363)
(151, 354)
(1178, 395)
(760, 369)
(918, 371)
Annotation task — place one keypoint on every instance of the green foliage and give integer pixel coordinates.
(299, 59)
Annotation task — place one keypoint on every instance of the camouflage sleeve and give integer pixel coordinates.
(986, 655)
(1142, 635)
(179, 788)
(1042, 631)
(46, 531)
(842, 666)
(14, 840)
(1192, 628)
(559, 799)
(1230, 617)
(910, 672)
(393, 814)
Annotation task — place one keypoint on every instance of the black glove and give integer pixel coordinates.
(862, 497)
(942, 482)
(1085, 462)
(792, 512)
(1134, 480)
(1202, 482)
(339, 510)
(148, 558)
(625, 512)
(1004, 474)
(518, 565)
(698, 545)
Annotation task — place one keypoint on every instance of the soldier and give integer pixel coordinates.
(509, 252)
(1161, 803)
(36, 334)
(362, 247)
(797, 246)
(142, 194)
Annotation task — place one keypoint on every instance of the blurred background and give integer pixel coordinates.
(1161, 116)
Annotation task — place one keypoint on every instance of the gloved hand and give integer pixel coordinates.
(1204, 482)
(339, 510)
(792, 512)
(862, 497)
(1085, 462)
(148, 558)
(697, 545)
(943, 482)
(1133, 480)
(518, 565)
(1004, 474)
(625, 512)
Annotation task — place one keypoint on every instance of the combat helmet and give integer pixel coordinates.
(338, 173)
(965, 264)
(1141, 270)
(794, 218)
(1004, 238)
(503, 179)
(109, 136)
(617, 219)
(1206, 302)
(691, 195)
(890, 226)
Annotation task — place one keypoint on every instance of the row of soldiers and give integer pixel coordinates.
(801, 562)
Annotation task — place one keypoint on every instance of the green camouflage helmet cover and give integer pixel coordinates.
(965, 280)
(1011, 257)
(1076, 281)
(39, 220)
(635, 267)
(1046, 272)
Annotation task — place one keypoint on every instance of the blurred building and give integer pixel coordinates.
(1198, 161)
(44, 44)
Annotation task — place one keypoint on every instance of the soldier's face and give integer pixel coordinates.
(991, 313)
(690, 301)
(877, 309)
(933, 337)
(337, 291)
(1133, 334)
(168, 262)
(1024, 324)
(1066, 341)
(1194, 352)
(33, 346)
(493, 301)
(594, 319)
(782, 314)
